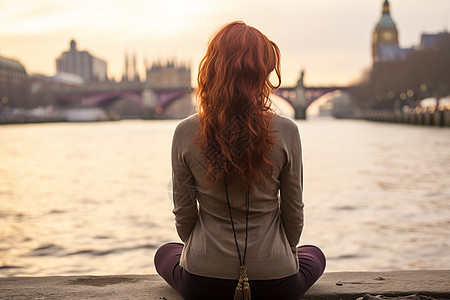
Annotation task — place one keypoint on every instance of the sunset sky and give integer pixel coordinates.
(329, 39)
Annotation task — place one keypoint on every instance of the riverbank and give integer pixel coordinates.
(51, 115)
(334, 285)
(427, 117)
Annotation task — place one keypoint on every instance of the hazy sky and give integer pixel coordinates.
(330, 39)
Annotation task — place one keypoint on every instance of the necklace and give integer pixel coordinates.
(243, 287)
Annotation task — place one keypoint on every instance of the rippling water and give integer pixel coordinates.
(93, 198)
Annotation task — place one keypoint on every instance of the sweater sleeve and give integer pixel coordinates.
(184, 190)
(291, 189)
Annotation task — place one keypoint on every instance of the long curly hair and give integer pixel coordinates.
(233, 103)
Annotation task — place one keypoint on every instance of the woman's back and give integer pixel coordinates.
(271, 245)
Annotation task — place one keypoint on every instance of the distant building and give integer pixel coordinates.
(385, 45)
(429, 41)
(14, 84)
(82, 63)
(169, 75)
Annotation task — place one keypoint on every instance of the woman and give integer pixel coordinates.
(237, 182)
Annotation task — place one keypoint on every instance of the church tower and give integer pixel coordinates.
(385, 34)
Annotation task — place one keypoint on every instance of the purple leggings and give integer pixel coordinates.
(190, 286)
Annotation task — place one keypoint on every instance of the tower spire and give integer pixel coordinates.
(386, 7)
(135, 71)
(127, 67)
(125, 71)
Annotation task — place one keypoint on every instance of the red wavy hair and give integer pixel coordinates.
(233, 103)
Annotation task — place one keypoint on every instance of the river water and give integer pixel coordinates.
(94, 198)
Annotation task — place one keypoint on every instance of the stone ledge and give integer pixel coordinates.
(335, 285)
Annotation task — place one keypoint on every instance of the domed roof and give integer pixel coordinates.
(11, 64)
(386, 21)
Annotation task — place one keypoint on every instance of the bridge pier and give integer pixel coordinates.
(300, 99)
(149, 99)
(300, 113)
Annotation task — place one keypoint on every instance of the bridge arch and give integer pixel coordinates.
(166, 98)
(282, 106)
(315, 106)
(98, 99)
(106, 98)
(311, 94)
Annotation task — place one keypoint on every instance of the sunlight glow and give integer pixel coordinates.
(334, 52)
(282, 107)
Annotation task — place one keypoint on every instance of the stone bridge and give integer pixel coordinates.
(157, 102)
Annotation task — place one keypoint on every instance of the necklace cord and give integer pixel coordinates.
(247, 209)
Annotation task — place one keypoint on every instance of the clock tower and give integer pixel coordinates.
(385, 33)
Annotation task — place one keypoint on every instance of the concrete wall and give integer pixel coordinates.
(338, 285)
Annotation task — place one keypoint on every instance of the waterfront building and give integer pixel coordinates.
(14, 83)
(82, 63)
(430, 41)
(168, 75)
(385, 42)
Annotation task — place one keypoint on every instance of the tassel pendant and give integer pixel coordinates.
(247, 292)
(238, 292)
(243, 291)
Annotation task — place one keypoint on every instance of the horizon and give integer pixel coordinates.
(331, 52)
